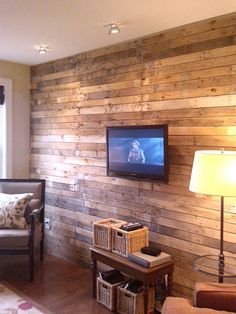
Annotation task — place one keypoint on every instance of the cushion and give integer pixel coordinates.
(174, 305)
(217, 296)
(14, 238)
(12, 210)
(18, 239)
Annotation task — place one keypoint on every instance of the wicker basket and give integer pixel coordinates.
(107, 294)
(125, 242)
(102, 232)
(133, 303)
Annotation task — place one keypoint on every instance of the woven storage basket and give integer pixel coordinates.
(133, 303)
(125, 242)
(107, 294)
(102, 232)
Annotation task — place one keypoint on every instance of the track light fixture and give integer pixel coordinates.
(42, 49)
(114, 28)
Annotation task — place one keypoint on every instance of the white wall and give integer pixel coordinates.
(20, 76)
(1, 141)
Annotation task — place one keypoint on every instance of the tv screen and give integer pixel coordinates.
(138, 151)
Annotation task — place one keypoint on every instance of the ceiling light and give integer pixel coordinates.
(114, 28)
(42, 49)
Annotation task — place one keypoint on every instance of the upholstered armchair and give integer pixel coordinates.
(22, 218)
(209, 298)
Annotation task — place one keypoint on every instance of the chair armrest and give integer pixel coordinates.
(36, 216)
(173, 305)
(36, 213)
(216, 296)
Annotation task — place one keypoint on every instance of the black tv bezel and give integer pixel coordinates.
(138, 176)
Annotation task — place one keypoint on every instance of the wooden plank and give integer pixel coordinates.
(193, 102)
(193, 28)
(195, 56)
(192, 92)
(201, 64)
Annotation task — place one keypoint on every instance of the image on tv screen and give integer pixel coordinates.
(136, 151)
(149, 151)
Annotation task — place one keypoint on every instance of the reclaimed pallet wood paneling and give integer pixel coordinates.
(185, 77)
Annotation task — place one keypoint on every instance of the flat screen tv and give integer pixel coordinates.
(138, 152)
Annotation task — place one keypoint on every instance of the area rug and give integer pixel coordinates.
(13, 303)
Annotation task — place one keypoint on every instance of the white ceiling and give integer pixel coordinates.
(73, 26)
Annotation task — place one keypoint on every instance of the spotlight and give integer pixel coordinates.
(42, 49)
(114, 28)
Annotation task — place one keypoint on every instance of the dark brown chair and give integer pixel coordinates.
(24, 241)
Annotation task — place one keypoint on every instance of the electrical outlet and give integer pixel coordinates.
(73, 187)
(47, 223)
(74, 184)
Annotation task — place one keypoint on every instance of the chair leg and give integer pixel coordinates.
(42, 249)
(31, 263)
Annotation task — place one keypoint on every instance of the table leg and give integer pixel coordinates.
(94, 274)
(169, 283)
(145, 298)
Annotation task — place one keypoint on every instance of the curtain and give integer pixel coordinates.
(2, 95)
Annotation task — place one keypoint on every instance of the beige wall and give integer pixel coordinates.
(20, 76)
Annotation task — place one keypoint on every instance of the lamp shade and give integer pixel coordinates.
(214, 173)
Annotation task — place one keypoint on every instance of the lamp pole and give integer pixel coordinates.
(221, 255)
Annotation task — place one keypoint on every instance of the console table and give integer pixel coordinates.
(147, 275)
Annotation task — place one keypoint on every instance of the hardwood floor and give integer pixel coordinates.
(61, 287)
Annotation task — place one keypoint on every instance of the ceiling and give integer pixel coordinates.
(69, 27)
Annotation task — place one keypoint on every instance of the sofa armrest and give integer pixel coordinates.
(174, 305)
(216, 296)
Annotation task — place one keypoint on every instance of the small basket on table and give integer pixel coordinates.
(102, 232)
(125, 242)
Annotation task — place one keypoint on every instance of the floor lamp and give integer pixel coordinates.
(214, 173)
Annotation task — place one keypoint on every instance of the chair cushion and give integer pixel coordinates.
(174, 305)
(14, 238)
(16, 187)
(12, 210)
(19, 238)
(216, 296)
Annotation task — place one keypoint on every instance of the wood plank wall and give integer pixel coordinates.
(185, 77)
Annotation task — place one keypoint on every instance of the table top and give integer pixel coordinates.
(208, 264)
(129, 264)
